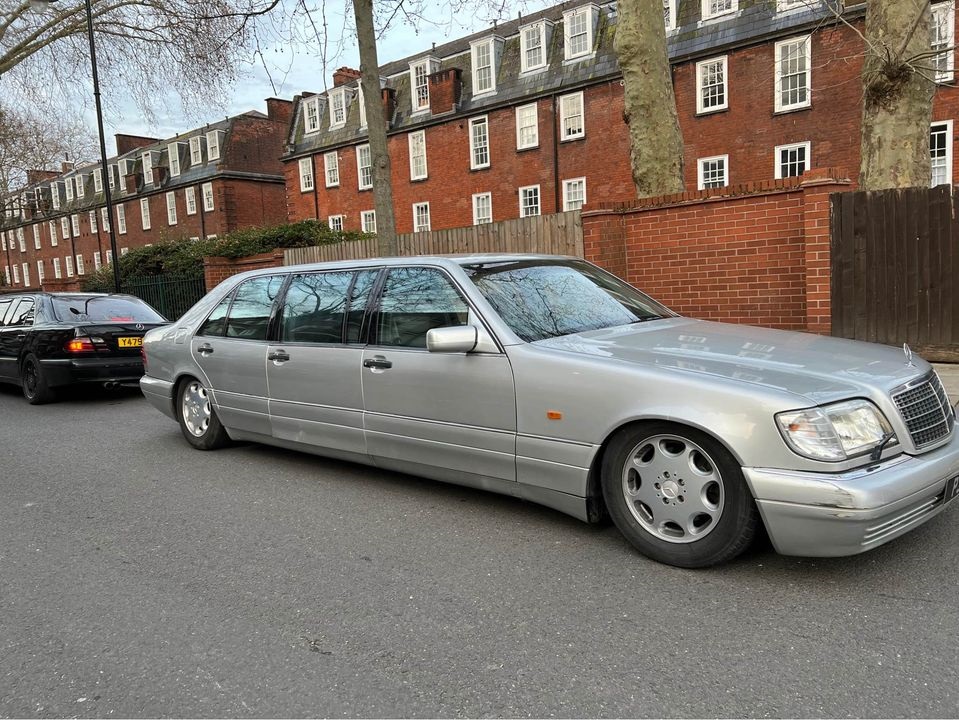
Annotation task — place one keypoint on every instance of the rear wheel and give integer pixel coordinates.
(198, 421)
(678, 495)
(34, 382)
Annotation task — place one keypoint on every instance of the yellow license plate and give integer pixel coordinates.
(130, 342)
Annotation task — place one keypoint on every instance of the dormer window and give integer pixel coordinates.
(533, 46)
(69, 186)
(81, 190)
(147, 159)
(338, 100)
(55, 195)
(485, 55)
(173, 152)
(669, 14)
(420, 83)
(311, 115)
(362, 103)
(715, 8)
(578, 31)
(213, 139)
(196, 150)
(98, 180)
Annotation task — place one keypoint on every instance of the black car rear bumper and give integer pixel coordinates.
(92, 370)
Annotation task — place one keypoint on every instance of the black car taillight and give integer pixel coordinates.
(80, 345)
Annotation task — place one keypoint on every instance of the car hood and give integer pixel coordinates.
(821, 369)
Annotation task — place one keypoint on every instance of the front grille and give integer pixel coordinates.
(925, 410)
(897, 524)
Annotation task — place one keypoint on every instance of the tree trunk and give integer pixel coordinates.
(656, 141)
(897, 100)
(376, 127)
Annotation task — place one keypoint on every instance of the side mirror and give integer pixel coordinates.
(459, 339)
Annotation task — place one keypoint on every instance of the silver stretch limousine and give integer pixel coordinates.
(551, 380)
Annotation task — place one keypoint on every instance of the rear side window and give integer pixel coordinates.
(249, 316)
(315, 308)
(22, 314)
(416, 300)
(4, 306)
(215, 325)
(99, 308)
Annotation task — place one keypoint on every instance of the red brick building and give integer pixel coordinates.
(528, 117)
(211, 180)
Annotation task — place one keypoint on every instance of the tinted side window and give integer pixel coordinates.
(215, 325)
(22, 315)
(4, 306)
(249, 315)
(359, 300)
(414, 301)
(315, 308)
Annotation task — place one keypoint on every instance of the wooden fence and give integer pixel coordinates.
(559, 234)
(894, 254)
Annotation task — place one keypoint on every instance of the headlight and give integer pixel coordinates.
(835, 432)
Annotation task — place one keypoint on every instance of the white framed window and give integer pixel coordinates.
(57, 272)
(97, 261)
(368, 221)
(783, 5)
(109, 257)
(331, 167)
(711, 91)
(571, 114)
(311, 115)
(145, 213)
(21, 240)
(65, 227)
(52, 227)
(74, 225)
(793, 74)
(112, 171)
(944, 40)
(16, 274)
(171, 208)
(80, 268)
(669, 14)
(173, 153)
(306, 174)
(337, 107)
(792, 160)
(479, 143)
(6, 272)
(527, 126)
(68, 261)
(104, 219)
(36, 237)
(207, 190)
(196, 150)
(189, 194)
(483, 55)
(364, 167)
(121, 219)
(336, 223)
(713, 172)
(420, 84)
(574, 194)
(125, 250)
(98, 180)
(361, 103)
(532, 41)
(147, 159)
(41, 273)
(578, 32)
(529, 204)
(81, 186)
(421, 217)
(417, 145)
(940, 152)
(715, 8)
(482, 208)
(55, 195)
(92, 219)
(68, 186)
(213, 144)
(26, 275)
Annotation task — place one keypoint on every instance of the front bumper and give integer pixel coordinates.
(70, 371)
(830, 515)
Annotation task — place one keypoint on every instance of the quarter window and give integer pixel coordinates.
(416, 300)
(249, 315)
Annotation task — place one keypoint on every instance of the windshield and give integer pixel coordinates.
(540, 299)
(104, 308)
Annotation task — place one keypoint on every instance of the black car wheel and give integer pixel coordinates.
(198, 421)
(34, 382)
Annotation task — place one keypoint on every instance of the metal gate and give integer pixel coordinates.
(171, 295)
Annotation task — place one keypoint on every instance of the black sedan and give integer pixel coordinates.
(50, 340)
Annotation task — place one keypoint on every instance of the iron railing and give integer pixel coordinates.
(171, 295)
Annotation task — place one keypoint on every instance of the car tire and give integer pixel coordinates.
(678, 495)
(33, 381)
(198, 421)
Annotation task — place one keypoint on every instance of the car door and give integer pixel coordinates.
(13, 335)
(448, 411)
(8, 361)
(313, 371)
(230, 349)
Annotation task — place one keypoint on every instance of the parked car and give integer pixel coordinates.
(551, 380)
(50, 340)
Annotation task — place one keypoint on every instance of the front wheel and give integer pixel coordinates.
(678, 495)
(34, 382)
(198, 421)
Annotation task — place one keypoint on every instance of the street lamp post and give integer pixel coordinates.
(104, 168)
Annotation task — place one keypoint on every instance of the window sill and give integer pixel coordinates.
(712, 111)
(567, 61)
(533, 71)
(484, 95)
(574, 138)
(787, 111)
(419, 179)
(334, 185)
(527, 148)
(480, 168)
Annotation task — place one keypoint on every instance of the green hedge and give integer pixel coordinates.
(182, 256)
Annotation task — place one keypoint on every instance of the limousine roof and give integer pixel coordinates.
(451, 259)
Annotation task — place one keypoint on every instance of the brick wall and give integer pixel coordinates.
(218, 269)
(755, 254)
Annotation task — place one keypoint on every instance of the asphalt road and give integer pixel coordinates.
(139, 577)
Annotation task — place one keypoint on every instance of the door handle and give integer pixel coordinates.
(205, 349)
(379, 362)
(278, 356)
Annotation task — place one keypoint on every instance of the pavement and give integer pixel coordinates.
(949, 374)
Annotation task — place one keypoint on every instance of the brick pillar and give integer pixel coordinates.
(604, 239)
(817, 186)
